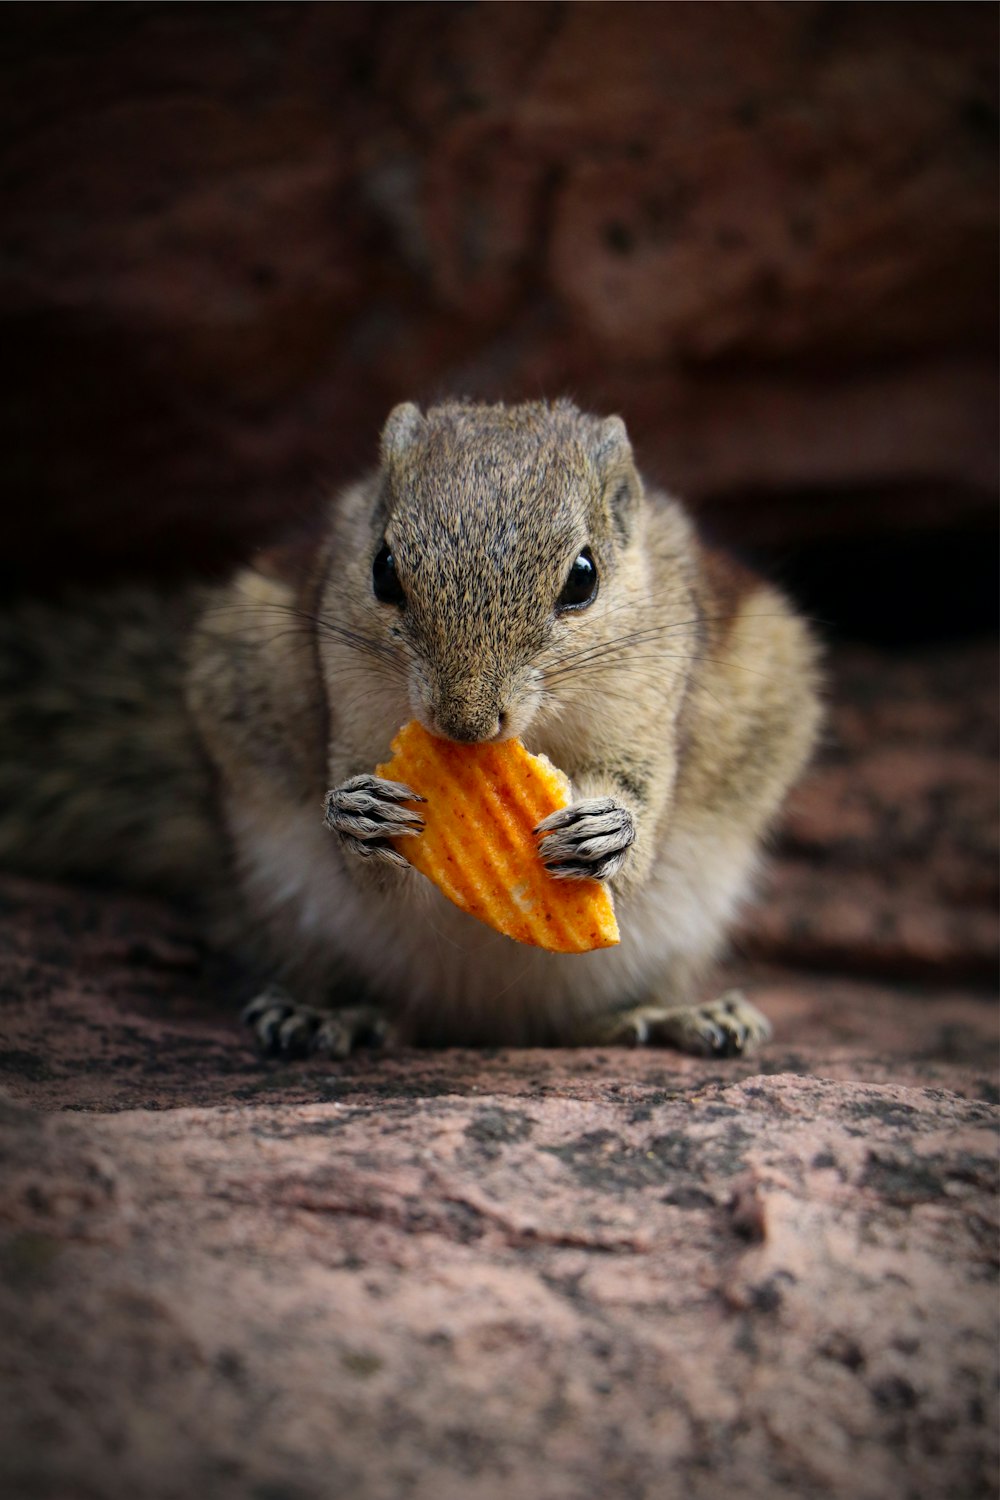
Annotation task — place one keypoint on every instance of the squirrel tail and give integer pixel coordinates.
(101, 772)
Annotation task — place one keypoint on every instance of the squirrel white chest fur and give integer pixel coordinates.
(504, 572)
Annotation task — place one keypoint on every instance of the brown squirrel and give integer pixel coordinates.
(503, 572)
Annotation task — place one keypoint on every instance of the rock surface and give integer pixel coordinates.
(888, 853)
(234, 236)
(571, 1279)
(454, 1274)
(560, 1274)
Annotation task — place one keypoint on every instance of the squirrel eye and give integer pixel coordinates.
(385, 579)
(580, 588)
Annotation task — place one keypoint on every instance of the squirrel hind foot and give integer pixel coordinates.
(284, 1028)
(727, 1027)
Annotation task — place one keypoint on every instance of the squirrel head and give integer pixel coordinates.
(497, 532)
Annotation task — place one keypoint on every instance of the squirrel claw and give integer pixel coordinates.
(367, 812)
(588, 840)
(375, 849)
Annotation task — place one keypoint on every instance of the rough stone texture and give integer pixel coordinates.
(233, 236)
(888, 854)
(672, 1284)
(558, 1274)
(453, 1274)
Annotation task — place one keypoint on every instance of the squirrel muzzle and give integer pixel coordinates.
(468, 720)
(467, 704)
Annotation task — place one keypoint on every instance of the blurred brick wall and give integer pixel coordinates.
(232, 236)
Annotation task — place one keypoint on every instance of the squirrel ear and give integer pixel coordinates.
(620, 482)
(401, 427)
(611, 442)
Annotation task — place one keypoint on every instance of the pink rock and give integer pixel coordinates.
(554, 1273)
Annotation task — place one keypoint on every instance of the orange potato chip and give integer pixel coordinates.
(479, 847)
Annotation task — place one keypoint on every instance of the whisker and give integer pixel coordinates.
(366, 645)
(652, 632)
(561, 673)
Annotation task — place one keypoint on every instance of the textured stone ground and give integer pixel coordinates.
(563, 1275)
(452, 1274)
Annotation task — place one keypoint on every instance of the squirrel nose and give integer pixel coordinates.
(468, 733)
(469, 726)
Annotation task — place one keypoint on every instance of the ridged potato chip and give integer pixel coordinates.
(479, 847)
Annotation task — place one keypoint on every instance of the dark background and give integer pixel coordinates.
(232, 236)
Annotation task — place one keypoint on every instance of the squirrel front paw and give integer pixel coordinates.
(587, 840)
(366, 812)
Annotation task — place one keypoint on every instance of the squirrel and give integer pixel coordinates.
(504, 571)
